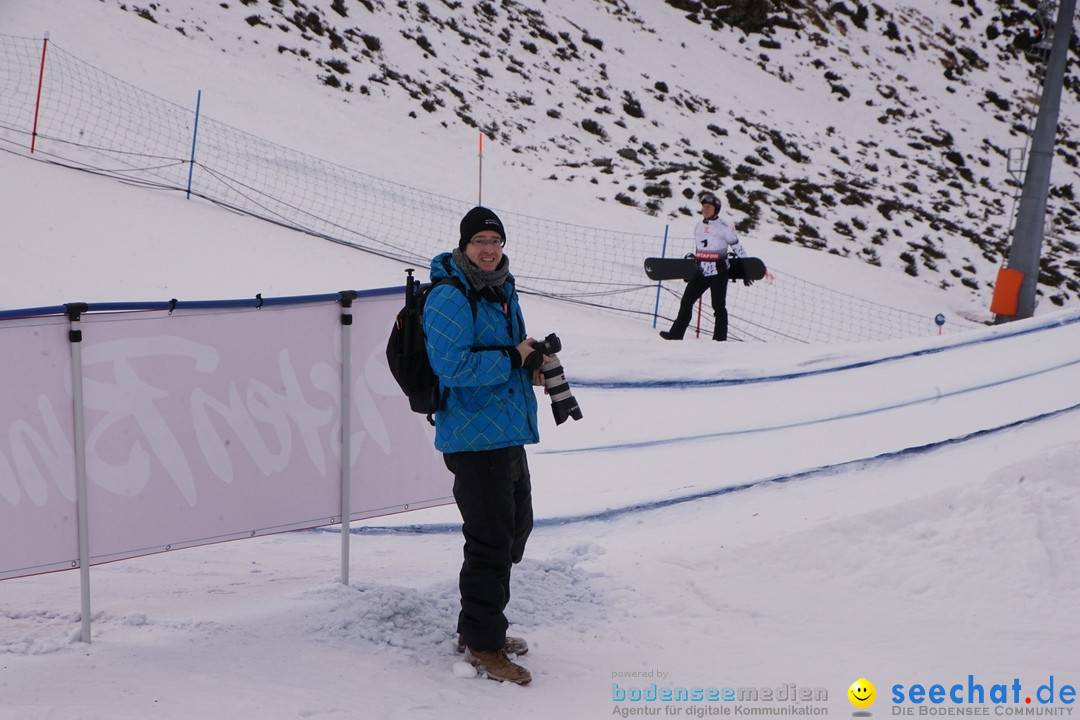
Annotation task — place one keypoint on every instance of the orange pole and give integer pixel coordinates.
(37, 103)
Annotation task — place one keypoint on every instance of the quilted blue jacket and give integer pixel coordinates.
(487, 405)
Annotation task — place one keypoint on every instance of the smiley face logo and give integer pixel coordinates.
(862, 693)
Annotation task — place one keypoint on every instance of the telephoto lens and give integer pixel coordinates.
(563, 403)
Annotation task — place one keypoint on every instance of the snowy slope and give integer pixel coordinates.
(888, 133)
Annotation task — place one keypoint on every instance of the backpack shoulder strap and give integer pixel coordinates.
(454, 280)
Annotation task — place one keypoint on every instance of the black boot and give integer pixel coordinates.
(720, 331)
(670, 335)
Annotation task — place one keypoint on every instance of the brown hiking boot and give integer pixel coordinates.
(513, 645)
(496, 666)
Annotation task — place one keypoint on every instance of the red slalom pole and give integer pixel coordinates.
(480, 173)
(37, 103)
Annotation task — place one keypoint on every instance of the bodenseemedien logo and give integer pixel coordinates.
(701, 700)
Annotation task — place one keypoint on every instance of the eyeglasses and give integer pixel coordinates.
(482, 242)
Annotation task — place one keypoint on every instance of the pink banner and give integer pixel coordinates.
(38, 531)
(398, 466)
(204, 426)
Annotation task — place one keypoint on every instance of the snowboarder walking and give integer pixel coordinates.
(714, 238)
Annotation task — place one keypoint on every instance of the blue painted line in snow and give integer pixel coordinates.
(723, 382)
(806, 423)
(821, 470)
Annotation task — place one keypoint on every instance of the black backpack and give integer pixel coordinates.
(406, 353)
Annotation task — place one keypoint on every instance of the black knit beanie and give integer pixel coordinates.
(477, 220)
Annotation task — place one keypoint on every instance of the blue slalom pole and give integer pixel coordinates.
(194, 137)
(663, 253)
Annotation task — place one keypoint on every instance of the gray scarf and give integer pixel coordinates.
(478, 278)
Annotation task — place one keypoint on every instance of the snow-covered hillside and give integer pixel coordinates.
(941, 565)
(886, 132)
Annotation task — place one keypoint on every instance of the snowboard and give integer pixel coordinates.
(749, 268)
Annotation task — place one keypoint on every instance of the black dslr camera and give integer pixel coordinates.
(563, 404)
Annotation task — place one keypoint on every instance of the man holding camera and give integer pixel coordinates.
(486, 365)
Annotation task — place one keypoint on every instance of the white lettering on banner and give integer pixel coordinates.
(365, 402)
(239, 419)
(42, 454)
(132, 397)
(328, 380)
(263, 404)
(57, 455)
(325, 378)
(294, 406)
(9, 486)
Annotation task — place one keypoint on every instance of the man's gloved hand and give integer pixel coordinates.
(747, 282)
(534, 360)
(526, 356)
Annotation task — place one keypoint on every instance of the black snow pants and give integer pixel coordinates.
(493, 491)
(695, 288)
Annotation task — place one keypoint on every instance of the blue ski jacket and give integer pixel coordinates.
(486, 405)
